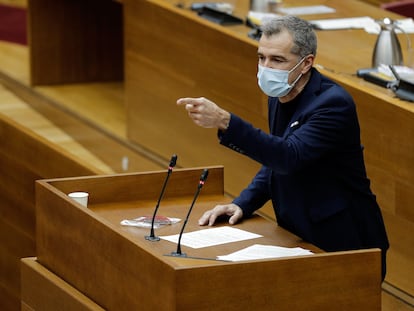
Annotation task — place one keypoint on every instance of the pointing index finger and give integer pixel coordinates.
(185, 101)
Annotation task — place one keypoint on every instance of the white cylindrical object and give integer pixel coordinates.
(80, 197)
(259, 5)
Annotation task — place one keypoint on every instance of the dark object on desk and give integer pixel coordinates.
(256, 32)
(219, 17)
(363, 71)
(218, 6)
(403, 89)
(374, 76)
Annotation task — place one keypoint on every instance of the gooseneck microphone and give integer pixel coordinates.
(152, 236)
(203, 178)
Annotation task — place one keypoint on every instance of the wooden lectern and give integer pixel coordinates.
(114, 267)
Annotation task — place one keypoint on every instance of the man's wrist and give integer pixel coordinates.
(225, 121)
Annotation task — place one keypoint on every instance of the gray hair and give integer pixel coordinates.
(304, 37)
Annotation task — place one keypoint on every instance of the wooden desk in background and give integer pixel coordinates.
(171, 52)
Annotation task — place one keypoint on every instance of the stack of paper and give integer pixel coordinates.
(344, 23)
(369, 24)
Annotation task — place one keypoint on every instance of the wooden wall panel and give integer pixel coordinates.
(9, 301)
(165, 61)
(75, 41)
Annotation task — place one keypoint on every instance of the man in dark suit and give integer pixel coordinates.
(312, 161)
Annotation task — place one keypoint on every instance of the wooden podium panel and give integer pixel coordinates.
(43, 290)
(116, 267)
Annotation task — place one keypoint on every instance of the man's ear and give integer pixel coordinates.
(308, 62)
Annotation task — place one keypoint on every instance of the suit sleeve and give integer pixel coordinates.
(328, 123)
(256, 194)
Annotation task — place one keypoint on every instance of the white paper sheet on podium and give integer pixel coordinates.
(211, 237)
(258, 251)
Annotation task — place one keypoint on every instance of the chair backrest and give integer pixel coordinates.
(402, 7)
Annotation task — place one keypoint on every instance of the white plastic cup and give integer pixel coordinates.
(80, 197)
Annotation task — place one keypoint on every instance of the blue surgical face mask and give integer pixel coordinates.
(275, 82)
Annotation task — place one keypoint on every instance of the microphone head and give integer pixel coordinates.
(173, 161)
(204, 175)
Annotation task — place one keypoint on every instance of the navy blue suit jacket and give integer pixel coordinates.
(315, 174)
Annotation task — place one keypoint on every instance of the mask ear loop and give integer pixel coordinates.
(296, 80)
(297, 65)
(301, 74)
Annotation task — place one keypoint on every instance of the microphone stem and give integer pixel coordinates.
(152, 233)
(186, 219)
